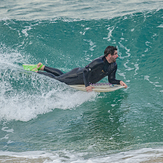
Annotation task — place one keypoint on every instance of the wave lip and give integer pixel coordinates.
(75, 9)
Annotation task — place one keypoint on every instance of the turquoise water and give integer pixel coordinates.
(43, 120)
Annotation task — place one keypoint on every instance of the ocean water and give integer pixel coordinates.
(43, 120)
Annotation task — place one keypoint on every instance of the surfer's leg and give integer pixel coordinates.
(54, 71)
(47, 74)
(71, 78)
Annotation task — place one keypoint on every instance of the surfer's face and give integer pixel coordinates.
(112, 58)
(115, 56)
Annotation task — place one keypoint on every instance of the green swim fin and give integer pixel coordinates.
(31, 67)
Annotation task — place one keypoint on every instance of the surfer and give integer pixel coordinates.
(92, 73)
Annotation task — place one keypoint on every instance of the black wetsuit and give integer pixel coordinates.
(92, 73)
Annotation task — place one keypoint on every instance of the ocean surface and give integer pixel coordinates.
(45, 121)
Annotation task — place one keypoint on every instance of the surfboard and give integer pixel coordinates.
(101, 87)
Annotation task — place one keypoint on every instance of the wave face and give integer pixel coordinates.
(43, 120)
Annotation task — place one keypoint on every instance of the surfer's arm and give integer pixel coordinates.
(86, 74)
(112, 79)
(97, 63)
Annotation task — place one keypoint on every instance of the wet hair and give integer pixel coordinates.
(109, 50)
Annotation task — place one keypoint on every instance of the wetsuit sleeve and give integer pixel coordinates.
(86, 74)
(111, 77)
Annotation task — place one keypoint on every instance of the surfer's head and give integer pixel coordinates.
(109, 50)
(111, 54)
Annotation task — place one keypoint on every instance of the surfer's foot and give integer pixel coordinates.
(40, 66)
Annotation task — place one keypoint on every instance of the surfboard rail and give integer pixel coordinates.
(100, 87)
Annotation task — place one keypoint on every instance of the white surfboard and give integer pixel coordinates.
(101, 87)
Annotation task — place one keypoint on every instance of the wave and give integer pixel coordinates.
(66, 44)
(54, 123)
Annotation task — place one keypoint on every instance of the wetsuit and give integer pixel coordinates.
(92, 73)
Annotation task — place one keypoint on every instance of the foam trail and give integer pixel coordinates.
(25, 95)
(36, 94)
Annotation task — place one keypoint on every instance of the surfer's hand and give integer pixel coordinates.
(89, 88)
(123, 84)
